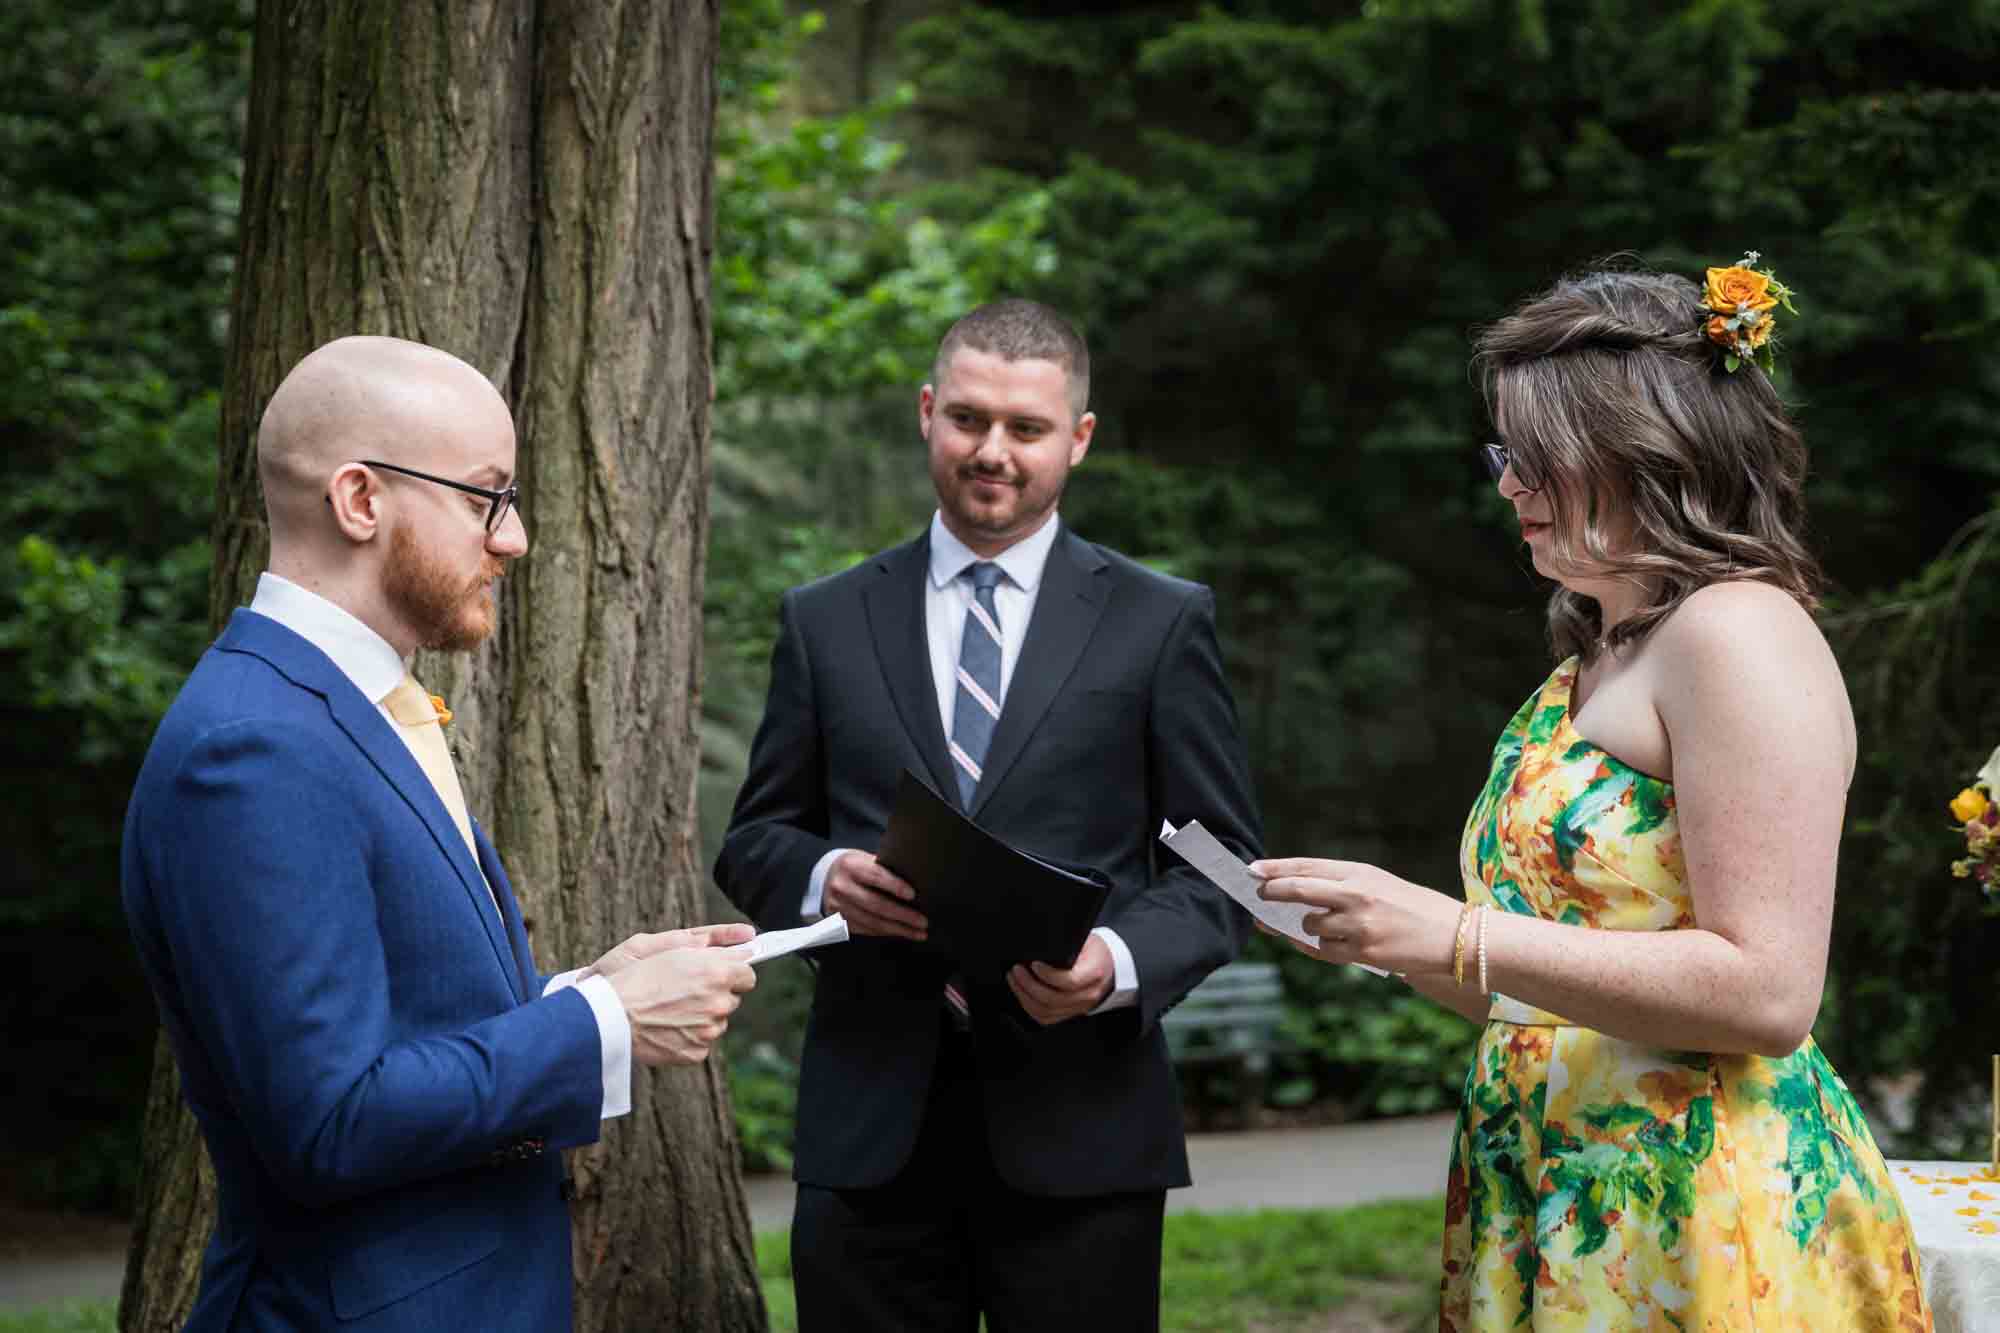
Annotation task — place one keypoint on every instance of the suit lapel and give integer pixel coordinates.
(510, 910)
(894, 604)
(1066, 612)
(309, 668)
(393, 759)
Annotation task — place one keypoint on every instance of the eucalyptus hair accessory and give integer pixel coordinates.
(1742, 301)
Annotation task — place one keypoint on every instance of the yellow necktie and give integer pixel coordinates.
(410, 704)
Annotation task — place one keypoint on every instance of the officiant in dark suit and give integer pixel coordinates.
(969, 1147)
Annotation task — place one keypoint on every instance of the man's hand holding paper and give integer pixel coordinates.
(646, 944)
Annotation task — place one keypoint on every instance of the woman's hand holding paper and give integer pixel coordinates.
(1365, 914)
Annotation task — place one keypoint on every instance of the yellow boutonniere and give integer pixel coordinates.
(1979, 821)
(1741, 300)
(443, 712)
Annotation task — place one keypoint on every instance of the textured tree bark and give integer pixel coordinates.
(529, 186)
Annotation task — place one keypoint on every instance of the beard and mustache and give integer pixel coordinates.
(449, 612)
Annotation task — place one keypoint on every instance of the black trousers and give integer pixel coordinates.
(947, 1240)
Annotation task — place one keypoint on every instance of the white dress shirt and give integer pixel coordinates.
(375, 667)
(947, 598)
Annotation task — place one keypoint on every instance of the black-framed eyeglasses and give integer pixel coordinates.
(497, 502)
(1497, 457)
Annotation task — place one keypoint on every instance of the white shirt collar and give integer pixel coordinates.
(1023, 562)
(363, 656)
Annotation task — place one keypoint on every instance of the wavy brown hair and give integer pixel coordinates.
(1613, 403)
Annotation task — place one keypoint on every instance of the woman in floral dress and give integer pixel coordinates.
(1649, 1137)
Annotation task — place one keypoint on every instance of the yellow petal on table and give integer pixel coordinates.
(1967, 1212)
(1939, 1189)
(1980, 1196)
(1985, 1228)
(1961, 1180)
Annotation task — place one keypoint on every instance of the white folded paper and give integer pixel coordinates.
(777, 943)
(1222, 868)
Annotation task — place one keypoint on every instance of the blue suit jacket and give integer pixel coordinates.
(361, 1040)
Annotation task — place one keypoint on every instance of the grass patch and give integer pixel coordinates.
(1375, 1266)
(101, 1318)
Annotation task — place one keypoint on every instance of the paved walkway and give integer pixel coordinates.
(1286, 1168)
(1330, 1167)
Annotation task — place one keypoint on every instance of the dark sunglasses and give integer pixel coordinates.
(1496, 457)
(497, 502)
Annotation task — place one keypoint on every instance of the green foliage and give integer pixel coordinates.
(119, 176)
(1917, 955)
(75, 646)
(827, 280)
(764, 1092)
(1378, 1047)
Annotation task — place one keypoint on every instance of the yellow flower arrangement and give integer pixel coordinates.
(1979, 821)
(1742, 300)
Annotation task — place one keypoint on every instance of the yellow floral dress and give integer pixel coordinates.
(1600, 1185)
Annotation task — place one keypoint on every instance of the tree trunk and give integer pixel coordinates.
(529, 187)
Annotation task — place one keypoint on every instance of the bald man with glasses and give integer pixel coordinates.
(380, 1073)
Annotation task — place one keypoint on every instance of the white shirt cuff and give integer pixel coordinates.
(814, 906)
(614, 1037)
(1124, 973)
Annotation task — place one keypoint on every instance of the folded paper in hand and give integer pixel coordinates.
(990, 905)
(777, 943)
(1222, 868)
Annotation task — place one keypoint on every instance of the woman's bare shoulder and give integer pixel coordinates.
(1738, 624)
(1748, 652)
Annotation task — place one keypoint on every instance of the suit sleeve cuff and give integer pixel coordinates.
(1124, 973)
(614, 1037)
(814, 906)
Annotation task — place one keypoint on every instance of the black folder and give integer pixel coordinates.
(990, 905)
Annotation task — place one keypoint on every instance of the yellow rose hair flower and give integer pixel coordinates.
(1741, 302)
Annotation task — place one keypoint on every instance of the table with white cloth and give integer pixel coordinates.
(1954, 1208)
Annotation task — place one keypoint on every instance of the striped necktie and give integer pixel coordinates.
(973, 716)
(977, 708)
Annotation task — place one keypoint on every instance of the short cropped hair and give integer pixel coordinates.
(1606, 392)
(1015, 329)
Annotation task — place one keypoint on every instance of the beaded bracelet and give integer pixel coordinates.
(1458, 947)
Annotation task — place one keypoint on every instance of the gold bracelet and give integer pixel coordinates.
(1483, 988)
(1458, 947)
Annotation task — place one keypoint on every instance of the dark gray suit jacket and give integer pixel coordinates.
(1117, 717)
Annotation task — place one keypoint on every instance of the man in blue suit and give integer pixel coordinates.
(381, 1076)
